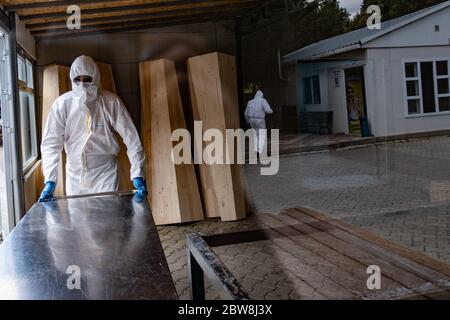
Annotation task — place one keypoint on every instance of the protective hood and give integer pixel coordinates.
(85, 66)
(85, 92)
(259, 94)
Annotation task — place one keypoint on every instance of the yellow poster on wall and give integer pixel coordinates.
(355, 101)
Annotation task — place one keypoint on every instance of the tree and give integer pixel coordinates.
(318, 20)
(390, 9)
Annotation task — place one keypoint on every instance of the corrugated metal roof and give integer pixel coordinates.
(353, 40)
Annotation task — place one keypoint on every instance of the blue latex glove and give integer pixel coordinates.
(51, 207)
(139, 184)
(47, 193)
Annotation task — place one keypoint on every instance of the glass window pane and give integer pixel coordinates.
(412, 88)
(411, 70)
(307, 94)
(25, 126)
(21, 68)
(32, 116)
(413, 106)
(444, 104)
(316, 89)
(427, 77)
(442, 68)
(443, 86)
(30, 78)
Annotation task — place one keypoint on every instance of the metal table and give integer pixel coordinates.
(107, 246)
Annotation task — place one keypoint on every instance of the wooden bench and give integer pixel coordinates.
(335, 255)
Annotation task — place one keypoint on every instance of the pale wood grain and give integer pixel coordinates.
(212, 80)
(175, 196)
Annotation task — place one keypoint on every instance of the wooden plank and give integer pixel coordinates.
(106, 77)
(406, 269)
(342, 256)
(54, 14)
(334, 250)
(333, 259)
(56, 82)
(102, 6)
(212, 80)
(405, 264)
(32, 185)
(403, 251)
(394, 278)
(135, 18)
(319, 255)
(124, 165)
(175, 197)
(88, 30)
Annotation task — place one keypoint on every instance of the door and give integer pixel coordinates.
(11, 184)
(358, 122)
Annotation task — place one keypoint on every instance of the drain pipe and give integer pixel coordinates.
(280, 71)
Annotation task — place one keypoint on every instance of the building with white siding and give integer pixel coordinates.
(390, 81)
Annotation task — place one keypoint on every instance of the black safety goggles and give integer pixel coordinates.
(86, 79)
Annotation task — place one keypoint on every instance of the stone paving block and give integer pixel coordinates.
(247, 283)
(259, 275)
(384, 189)
(282, 292)
(272, 280)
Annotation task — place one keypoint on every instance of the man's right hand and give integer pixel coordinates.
(47, 193)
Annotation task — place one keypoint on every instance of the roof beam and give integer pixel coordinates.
(139, 17)
(46, 4)
(187, 4)
(126, 21)
(122, 28)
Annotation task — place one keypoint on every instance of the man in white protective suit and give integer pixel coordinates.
(83, 121)
(255, 114)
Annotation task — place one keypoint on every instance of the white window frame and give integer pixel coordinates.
(419, 78)
(23, 87)
(436, 89)
(310, 78)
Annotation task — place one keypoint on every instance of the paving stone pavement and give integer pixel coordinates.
(399, 190)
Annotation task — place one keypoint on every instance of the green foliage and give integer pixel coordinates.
(318, 20)
(390, 9)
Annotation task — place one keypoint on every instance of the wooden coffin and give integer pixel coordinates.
(175, 196)
(213, 87)
(56, 81)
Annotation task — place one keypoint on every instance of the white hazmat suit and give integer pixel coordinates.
(83, 122)
(255, 114)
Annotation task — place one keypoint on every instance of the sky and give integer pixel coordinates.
(352, 6)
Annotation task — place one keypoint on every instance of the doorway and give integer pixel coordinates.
(358, 123)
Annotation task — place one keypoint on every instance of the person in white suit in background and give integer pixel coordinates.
(255, 114)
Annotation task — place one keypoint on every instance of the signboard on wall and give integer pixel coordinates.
(337, 78)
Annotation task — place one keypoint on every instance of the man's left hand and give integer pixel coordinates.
(139, 184)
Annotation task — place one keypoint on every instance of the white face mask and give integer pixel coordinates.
(89, 90)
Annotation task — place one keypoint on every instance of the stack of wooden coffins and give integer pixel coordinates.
(174, 189)
(175, 195)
